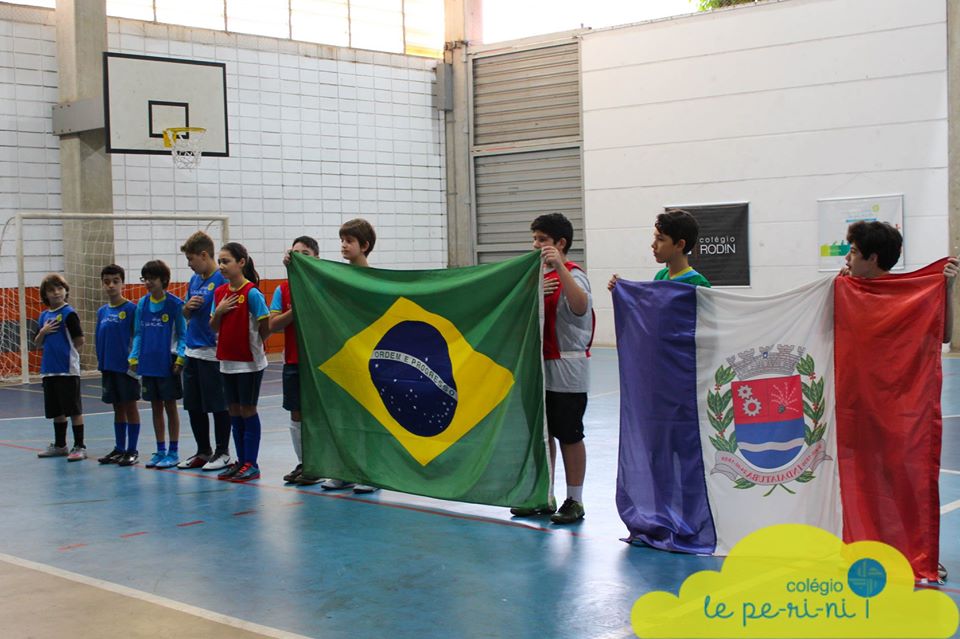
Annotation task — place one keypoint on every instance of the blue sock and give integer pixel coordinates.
(251, 438)
(161, 447)
(120, 435)
(236, 422)
(174, 446)
(133, 436)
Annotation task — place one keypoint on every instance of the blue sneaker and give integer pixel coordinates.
(169, 460)
(155, 459)
(247, 472)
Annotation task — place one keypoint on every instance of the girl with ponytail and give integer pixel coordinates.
(242, 321)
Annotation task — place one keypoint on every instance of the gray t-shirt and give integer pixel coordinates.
(571, 375)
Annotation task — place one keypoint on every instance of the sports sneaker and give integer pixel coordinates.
(194, 461)
(129, 458)
(309, 480)
(155, 459)
(52, 450)
(533, 512)
(169, 460)
(231, 470)
(219, 461)
(293, 475)
(363, 489)
(77, 453)
(113, 457)
(941, 573)
(569, 512)
(247, 472)
(335, 484)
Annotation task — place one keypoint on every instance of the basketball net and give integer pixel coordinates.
(185, 144)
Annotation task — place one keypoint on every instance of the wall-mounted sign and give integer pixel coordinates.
(722, 253)
(836, 214)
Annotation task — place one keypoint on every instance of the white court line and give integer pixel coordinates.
(947, 508)
(950, 472)
(616, 392)
(126, 591)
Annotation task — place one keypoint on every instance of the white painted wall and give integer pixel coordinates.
(778, 104)
(318, 135)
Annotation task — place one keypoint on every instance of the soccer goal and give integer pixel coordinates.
(78, 245)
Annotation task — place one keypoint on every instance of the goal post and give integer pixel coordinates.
(32, 244)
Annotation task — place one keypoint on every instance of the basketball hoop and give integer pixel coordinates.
(185, 145)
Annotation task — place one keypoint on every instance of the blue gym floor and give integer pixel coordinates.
(332, 564)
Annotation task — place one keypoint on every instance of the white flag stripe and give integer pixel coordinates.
(781, 446)
(754, 338)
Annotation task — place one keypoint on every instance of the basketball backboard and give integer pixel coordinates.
(143, 95)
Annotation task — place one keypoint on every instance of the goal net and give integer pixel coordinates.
(78, 245)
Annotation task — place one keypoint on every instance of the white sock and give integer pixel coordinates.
(296, 438)
(575, 493)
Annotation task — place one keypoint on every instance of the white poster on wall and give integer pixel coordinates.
(836, 214)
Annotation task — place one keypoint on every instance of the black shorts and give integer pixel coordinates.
(242, 388)
(291, 387)
(61, 396)
(565, 416)
(203, 386)
(162, 389)
(118, 388)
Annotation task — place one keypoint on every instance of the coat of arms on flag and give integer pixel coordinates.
(768, 407)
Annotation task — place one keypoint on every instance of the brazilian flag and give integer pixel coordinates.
(427, 382)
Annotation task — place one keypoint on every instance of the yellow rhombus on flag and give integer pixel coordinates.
(480, 383)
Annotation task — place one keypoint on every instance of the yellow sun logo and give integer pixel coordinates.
(210, 286)
(122, 315)
(165, 318)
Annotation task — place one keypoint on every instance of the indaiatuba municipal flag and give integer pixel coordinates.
(820, 406)
(427, 382)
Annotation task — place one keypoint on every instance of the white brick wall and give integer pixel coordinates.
(318, 135)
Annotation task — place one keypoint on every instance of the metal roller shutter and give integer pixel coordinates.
(526, 146)
(514, 188)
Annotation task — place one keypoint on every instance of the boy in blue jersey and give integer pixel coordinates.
(157, 355)
(61, 338)
(675, 234)
(113, 339)
(202, 380)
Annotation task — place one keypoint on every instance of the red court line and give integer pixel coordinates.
(244, 512)
(136, 534)
(190, 523)
(70, 547)
(416, 509)
(384, 504)
(9, 445)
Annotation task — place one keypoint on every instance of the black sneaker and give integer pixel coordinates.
(549, 509)
(570, 512)
(309, 480)
(113, 457)
(293, 475)
(941, 573)
(231, 470)
(129, 458)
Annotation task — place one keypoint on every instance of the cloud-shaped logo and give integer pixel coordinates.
(794, 580)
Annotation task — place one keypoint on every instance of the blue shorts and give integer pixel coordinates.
(203, 386)
(118, 388)
(162, 389)
(242, 388)
(291, 387)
